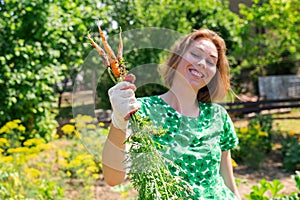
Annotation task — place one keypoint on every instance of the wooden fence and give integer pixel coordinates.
(260, 105)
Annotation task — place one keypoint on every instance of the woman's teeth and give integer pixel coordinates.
(196, 73)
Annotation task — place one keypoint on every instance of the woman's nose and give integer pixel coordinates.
(202, 63)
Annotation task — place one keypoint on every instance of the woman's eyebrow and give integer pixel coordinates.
(201, 48)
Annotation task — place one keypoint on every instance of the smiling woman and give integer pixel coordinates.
(199, 133)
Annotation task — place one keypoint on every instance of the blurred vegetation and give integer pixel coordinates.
(43, 45)
(43, 49)
(37, 169)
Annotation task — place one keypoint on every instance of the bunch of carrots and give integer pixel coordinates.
(152, 181)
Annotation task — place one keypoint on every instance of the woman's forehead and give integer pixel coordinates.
(206, 46)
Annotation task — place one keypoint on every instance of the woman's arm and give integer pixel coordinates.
(123, 102)
(227, 172)
(113, 156)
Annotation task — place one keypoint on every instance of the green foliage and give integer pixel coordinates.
(41, 42)
(269, 32)
(258, 192)
(254, 141)
(39, 170)
(290, 152)
(271, 190)
(297, 179)
(265, 122)
(149, 172)
(180, 16)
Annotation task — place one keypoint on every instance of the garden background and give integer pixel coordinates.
(43, 48)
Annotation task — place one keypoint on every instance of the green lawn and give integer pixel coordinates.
(287, 121)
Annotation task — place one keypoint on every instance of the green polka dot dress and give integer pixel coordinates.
(194, 144)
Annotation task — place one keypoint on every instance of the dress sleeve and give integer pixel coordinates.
(229, 137)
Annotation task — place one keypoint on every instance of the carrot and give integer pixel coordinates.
(120, 50)
(107, 48)
(100, 51)
(114, 64)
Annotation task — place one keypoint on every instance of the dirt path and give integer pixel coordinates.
(270, 169)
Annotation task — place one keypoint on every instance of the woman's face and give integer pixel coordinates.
(198, 64)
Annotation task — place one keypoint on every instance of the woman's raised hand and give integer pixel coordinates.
(123, 102)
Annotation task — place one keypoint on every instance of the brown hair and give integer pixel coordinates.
(219, 86)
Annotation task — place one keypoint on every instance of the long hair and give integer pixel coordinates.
(219, 86)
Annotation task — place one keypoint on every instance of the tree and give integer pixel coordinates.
(41, 42)
(180, 16)
(269, 33)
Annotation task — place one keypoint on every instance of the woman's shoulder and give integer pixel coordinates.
(213, 107)
(148, 99)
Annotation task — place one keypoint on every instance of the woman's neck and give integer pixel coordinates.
(183, 101)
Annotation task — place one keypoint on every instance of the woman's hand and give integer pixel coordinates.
(123, 102)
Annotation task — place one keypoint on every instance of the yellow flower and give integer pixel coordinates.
(4, 142)
(21, 128)
(18, 150)
(80, 171)
(92, 169)
(292, 133)
(6, 159)
(72, 120)
(91, 126)
(32, 172)
(234, 164)
(263, 133)
(80, 125)
(68, 129)
(1, 150)
(34, 141)
(101, 124)
(17, 121)
(4, 129)
(44, 147)
(56, 136)
(75, 163)
(85, 118)
(12, 125)
(77, 134)
(64, 154)
(244, 129)
(32, 156)
(69, 174)
(95, 176)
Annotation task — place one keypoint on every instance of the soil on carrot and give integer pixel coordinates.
(270, 169)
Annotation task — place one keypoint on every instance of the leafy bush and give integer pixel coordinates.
(252, 146)
(35, 169)
(271, 190)
(297, 179)
(255, 141)
(258, 191)
(290, 151)
(266, 124)
(41, 42)
(26, 172)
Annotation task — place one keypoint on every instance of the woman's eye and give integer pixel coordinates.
(210, 62)
(195, 55)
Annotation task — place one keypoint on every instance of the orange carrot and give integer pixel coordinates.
(100, 51)
(107, 48)
(114, 64)
(120, 50)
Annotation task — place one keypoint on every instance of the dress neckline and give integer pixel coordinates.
(176, 112)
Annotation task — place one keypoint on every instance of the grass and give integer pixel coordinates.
(289, 122)
(285, 122)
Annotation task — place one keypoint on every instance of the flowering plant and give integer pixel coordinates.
(151, 180)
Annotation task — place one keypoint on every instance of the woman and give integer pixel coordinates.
(200, 133)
